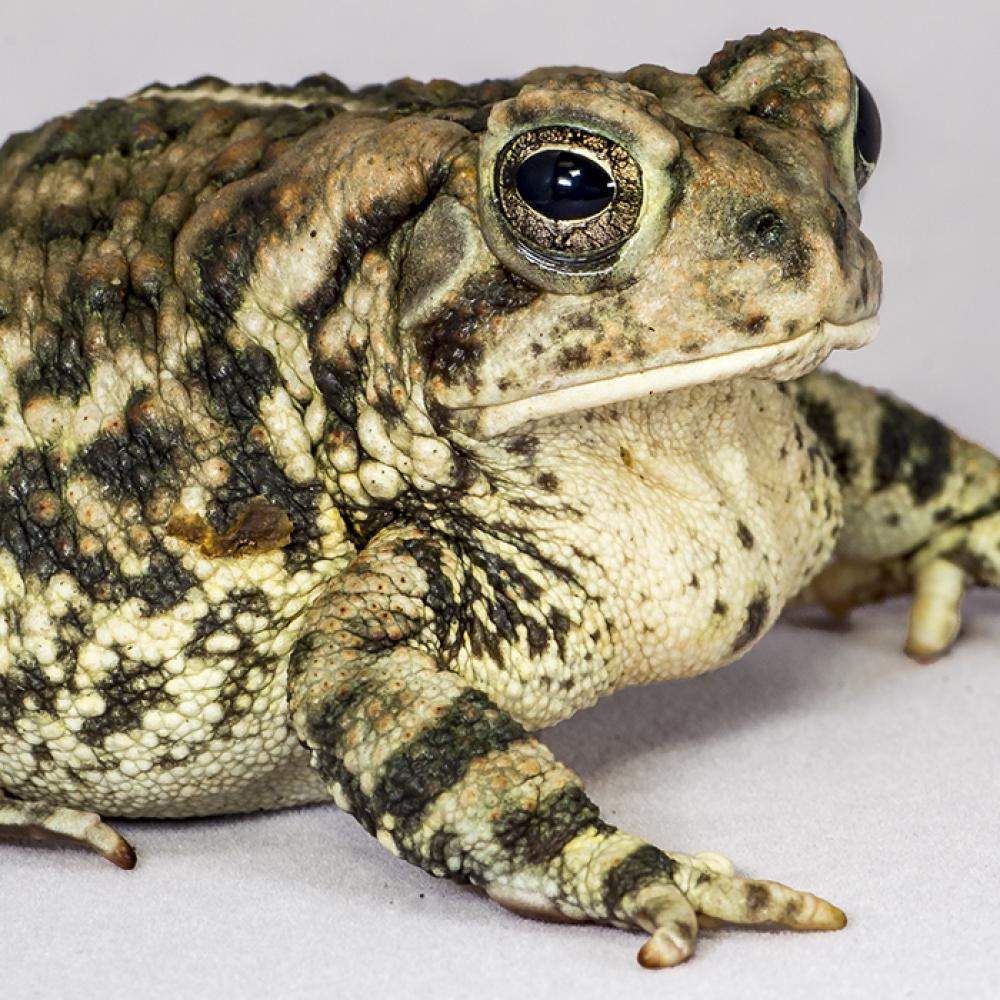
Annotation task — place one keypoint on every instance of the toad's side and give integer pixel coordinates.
(349, 437)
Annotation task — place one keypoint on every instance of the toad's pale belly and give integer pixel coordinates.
(725, 508)
(692, 518)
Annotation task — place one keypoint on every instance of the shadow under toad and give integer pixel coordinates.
(792, 666)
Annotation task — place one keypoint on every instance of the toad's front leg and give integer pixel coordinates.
(449, 781)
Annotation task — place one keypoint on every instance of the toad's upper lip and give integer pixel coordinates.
(816, 343)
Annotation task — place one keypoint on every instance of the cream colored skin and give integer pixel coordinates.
(528, 481)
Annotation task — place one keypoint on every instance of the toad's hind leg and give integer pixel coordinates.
(41, 821)
(447, 780)
(921, 509)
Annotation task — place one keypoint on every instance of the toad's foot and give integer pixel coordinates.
(937, 583)
(40, 821)
(938, 588)
(936, 613)
(635, 885)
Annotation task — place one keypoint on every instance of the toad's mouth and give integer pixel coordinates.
(781, 361)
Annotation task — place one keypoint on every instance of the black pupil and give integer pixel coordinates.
(868, 133)
(563, 185)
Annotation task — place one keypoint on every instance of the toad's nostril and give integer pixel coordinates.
(766, 228)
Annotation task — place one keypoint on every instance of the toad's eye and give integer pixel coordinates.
(561, 184)
(867, 135)
(569, 197)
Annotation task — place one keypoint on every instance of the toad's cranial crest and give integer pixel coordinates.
(347, 438)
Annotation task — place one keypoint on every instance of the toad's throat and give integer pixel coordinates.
(780, 361)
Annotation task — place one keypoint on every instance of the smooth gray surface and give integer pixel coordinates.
(825, 759)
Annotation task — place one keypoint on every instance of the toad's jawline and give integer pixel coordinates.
(780, 361)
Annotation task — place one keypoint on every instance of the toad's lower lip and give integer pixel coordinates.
(785, 359)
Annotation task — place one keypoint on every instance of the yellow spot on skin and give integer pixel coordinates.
(90, 705)
(212, 714)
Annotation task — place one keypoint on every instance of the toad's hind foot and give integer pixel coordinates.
(936, 613)
(40, 821)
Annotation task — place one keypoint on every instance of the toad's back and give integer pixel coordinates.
(134, 639)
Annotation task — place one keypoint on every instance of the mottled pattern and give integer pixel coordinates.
(331, 468)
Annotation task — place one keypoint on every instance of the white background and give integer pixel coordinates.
(825, 759)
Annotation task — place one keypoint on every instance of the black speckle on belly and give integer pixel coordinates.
(756, 615)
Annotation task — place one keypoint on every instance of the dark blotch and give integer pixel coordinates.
(450, 341)
(340, 387)
(358, 234)
(753, 325)
(434, 761)
(236, 381)
(765, 233)
(913, 449)
(839, 233)
(758, 897)
(57, 366)
(756, 615)
(129, 691)
(225, 258)
(523, 444)
(44, 548)
(822, 420)
(536, 836)
(643, 866)
(118, 127)
(573, 358)
(138, 459)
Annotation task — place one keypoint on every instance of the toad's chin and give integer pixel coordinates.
(786, 359)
